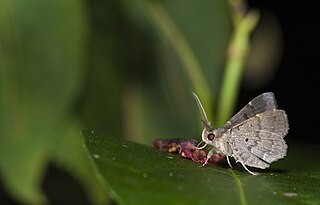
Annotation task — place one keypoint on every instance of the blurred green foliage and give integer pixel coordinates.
(42, 59)
(69, 65)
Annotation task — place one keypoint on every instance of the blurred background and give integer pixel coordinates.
(128, 69)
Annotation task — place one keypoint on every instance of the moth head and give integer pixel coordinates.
(207, 133)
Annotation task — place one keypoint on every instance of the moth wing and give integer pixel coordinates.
(258, 141)
(261, 103)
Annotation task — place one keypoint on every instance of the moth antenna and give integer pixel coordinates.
(204, 119)
(206, 124)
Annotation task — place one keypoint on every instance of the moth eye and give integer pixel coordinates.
(210, 136)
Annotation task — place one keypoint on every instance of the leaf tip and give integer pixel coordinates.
(87, 132)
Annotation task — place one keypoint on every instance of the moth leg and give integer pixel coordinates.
(210, 153)
(244, 166)
(228, 161)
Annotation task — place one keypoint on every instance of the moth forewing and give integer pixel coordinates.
(259, 104)
(259, 140)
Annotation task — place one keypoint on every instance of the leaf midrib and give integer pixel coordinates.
(239, 185)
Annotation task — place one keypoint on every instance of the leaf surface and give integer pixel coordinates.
(138, 174)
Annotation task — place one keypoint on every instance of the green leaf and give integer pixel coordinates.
(138, 174)
(68, 153)
(41, 70)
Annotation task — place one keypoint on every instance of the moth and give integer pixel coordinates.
(253, 137)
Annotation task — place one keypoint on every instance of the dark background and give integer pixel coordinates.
(296, 84)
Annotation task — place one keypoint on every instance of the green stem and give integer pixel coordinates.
(238, 48)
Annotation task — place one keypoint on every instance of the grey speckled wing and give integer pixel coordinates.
(258, 141)
(261, 103)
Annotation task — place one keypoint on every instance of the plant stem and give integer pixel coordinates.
(244, 23)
